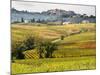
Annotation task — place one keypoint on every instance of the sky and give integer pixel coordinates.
(39, 7)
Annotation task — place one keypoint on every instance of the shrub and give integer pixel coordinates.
(62, 37)
(19, 54)
(83, 30)
(17, 50)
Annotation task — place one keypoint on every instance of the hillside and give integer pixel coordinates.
(76, 51)
(53, 15)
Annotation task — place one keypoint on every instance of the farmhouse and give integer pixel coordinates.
(85, 21)
(64, 23)
(26, 21)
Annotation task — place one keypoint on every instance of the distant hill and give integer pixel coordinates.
(52, 15)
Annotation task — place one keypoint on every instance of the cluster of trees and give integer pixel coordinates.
(33, 20)
(23, 20)
(83, 16)
(18, 47)
(44, 48)
(86, 16)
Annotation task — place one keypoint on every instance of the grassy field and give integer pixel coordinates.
(53, 64)
(20, 31)
(77, 51)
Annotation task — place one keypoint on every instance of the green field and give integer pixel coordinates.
(53, 64)
(77, 50)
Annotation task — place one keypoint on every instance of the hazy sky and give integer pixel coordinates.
(39, 7)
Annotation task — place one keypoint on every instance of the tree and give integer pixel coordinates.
(46, 49)
(22, 19)
(38, 21)
(43, 21)
(85, 15)
(81, 16)
(91, 16)
(50, 48)
(62, 22)
(65, 15)
(33, 20)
